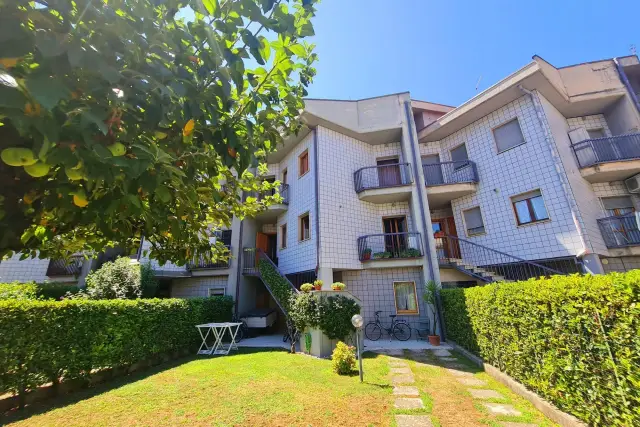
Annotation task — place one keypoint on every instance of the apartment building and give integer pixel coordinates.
(533, 176)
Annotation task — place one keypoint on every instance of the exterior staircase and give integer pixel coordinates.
(487, 264)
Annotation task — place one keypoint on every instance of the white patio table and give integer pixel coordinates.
(217, 330)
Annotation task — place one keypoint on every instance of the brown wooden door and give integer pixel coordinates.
(395, 243)
(262, 243)
(389, 173)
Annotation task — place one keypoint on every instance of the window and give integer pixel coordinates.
(529, 207)
(473, 221)
(617, 206)
(305, 227)
(217, 292)
(284, 177)
(459, 155)
(508, 135)
(283, 236)
(596, 133)
(224, 236)
(303, 163)
(405, 296)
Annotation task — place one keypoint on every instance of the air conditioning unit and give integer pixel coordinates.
(633, 184)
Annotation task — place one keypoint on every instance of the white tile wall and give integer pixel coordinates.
(28, 270)
(523, 168)
(596, 121)
(197, 286)
(344, 217)
(298, 256)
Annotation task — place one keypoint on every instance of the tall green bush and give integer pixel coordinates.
(573, 339)
(121, 279)
(331, 314)
(43, 341)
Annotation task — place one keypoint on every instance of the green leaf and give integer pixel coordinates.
(265, 48)
(51, 44)
(267, 5)
(163, 194)
(48, 91)
(211, 6)
(11, 98)
(92, 117)
(306, 30)
(297, 49)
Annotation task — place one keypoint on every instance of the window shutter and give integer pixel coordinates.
(617, 202)
(473, 218)
(508, 135)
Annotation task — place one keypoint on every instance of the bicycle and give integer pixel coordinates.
(399, 329)
(243, 330)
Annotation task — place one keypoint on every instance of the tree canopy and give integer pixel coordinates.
(129, 118)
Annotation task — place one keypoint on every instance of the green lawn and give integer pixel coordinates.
(250, 388)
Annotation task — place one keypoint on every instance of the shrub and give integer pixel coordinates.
(572, 339)
(343, 359)
(304, 311)
(121, 279)
(278, 284)
(56, 291)
(306, 287)
(338, 286)
(334, 315)
(430, 296)
(42, 341)
(17, 290)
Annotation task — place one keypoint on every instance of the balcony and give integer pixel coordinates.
(620, 232)
(390, 250)
(384, 183)
(63, 268)
(608, 159)
(449, 180)
(272, 212)
(203, 262)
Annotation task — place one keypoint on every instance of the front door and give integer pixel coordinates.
(445, 247)
(395, 239)
(389, 172)
(432, 170)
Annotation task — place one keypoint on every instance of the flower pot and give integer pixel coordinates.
(434, 340)
(439, 234)
(318, 288)
(366, 256)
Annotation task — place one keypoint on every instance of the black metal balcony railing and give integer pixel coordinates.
(250, 261)
(61, 267)
(620, 231)
(611, 149)
(450, 173)
(203, 262)
(389, 245)
(283, 190)
(383, 176)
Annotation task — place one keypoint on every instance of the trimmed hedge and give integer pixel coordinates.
(44, 341)
(31, 290)
(573, 339)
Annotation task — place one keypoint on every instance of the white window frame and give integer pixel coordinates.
(217, 288)
(415, 294)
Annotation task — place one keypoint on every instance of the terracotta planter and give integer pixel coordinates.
(317, 288)
(439, 235)
(434, 340)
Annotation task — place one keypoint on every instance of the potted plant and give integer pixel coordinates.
(439, 234)
(338, 286)
(306, 287)
(366, 254)
(317, 285)
(430, 293)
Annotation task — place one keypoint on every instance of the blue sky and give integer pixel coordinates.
(438, 50)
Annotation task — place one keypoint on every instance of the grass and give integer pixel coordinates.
(256, 388)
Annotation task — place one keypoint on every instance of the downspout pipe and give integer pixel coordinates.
(316, 161)
(627, 84)
(423, 217)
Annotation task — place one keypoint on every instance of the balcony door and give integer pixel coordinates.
(394, 243)
(432, 169)
(389, 172)
(624, 228)
(445, 248)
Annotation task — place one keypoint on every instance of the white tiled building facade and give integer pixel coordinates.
(552, 148)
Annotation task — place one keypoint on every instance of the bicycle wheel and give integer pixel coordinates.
(373, 331)
(401, 331)
(240, 334)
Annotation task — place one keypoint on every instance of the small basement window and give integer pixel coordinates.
(217, 292)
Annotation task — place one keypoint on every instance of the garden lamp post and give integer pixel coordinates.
(357, 322)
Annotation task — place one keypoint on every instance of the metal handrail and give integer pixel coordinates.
(204, 262)
(511, 267)
(455, 172)
(283, 190)
(390, 245)
(620, 231)
(363, 180)
(592, 152)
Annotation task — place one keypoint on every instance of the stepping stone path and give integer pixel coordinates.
(472, 382)
(501, 409)
(413, 421)
(458, 373)
(441, 353)
(448, 359)
(512, 424)
(407, 397)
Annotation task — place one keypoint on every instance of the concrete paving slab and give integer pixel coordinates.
(479, 393)
(512, 424)
(441, 352)
(413, 421)
(502, 409)
(406, 390)
(402, 379)
(406, 370)
(408, 403)
(472, 382)
(458, 373)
